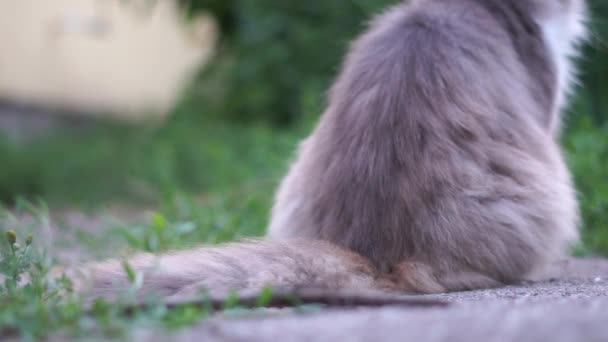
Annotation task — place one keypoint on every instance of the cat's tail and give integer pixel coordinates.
(247, 266)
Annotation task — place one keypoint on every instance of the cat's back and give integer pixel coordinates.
(433, 136)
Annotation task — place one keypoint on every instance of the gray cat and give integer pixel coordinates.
(435, 166)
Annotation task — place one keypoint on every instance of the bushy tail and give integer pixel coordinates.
(247, 266)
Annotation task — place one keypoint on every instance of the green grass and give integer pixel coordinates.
(212, 181)
(47, 306)
(143, 164)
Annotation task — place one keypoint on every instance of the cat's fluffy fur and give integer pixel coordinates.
(435, 166)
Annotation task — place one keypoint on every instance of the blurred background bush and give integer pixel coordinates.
(230, 134)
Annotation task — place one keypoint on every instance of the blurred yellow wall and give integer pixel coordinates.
(121, 56)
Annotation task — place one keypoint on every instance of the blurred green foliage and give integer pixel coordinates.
(593, 99)
(283, 55)
(587, 153)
